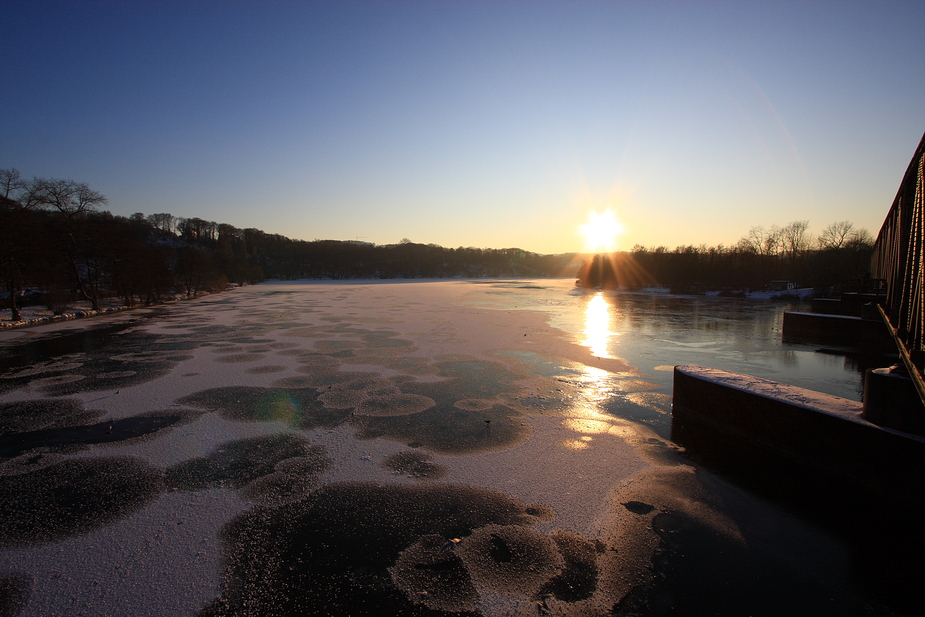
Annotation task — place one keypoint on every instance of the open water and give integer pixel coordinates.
(655, 332)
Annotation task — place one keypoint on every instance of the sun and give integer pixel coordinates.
(601, 232)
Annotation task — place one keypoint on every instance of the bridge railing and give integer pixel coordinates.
(899, 258)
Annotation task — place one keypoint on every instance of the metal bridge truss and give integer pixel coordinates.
(899, 258)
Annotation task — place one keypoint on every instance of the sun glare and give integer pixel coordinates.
(601, 232)
(597, 326)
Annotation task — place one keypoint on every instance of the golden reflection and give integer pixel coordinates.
(587, 425)
(575, 444)
(597, 326)
(596, 384)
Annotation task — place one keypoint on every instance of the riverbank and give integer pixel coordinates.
(38, 315)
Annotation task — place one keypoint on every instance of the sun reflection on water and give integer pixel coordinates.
(596, 384)
(597, 326)
(588, 424)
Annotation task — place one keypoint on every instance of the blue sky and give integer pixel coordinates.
(488, 124)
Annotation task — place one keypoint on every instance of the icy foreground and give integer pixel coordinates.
(358, 449)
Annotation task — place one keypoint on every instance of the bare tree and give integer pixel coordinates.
(764, 241)
(795, 239)
(17, 242)
(11, 184)
(31, 196)
(74, 201)
(67, 197)
(860, 239)
(196, 228)
(836, 235)
(13, 232)
(163, 221)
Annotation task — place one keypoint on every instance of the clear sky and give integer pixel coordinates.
(488, 124)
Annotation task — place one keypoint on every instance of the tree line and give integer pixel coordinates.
(56, 239)
(838, 258)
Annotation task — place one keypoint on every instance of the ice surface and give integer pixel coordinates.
(328, 441)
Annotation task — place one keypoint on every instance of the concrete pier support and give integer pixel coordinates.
(890, 400)
(845, 330)
(743, 420)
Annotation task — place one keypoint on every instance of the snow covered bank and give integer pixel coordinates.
(36, 314)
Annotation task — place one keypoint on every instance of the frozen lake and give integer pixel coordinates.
(409, 448)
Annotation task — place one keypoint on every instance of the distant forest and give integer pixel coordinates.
(836, 260)
(57, 244)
